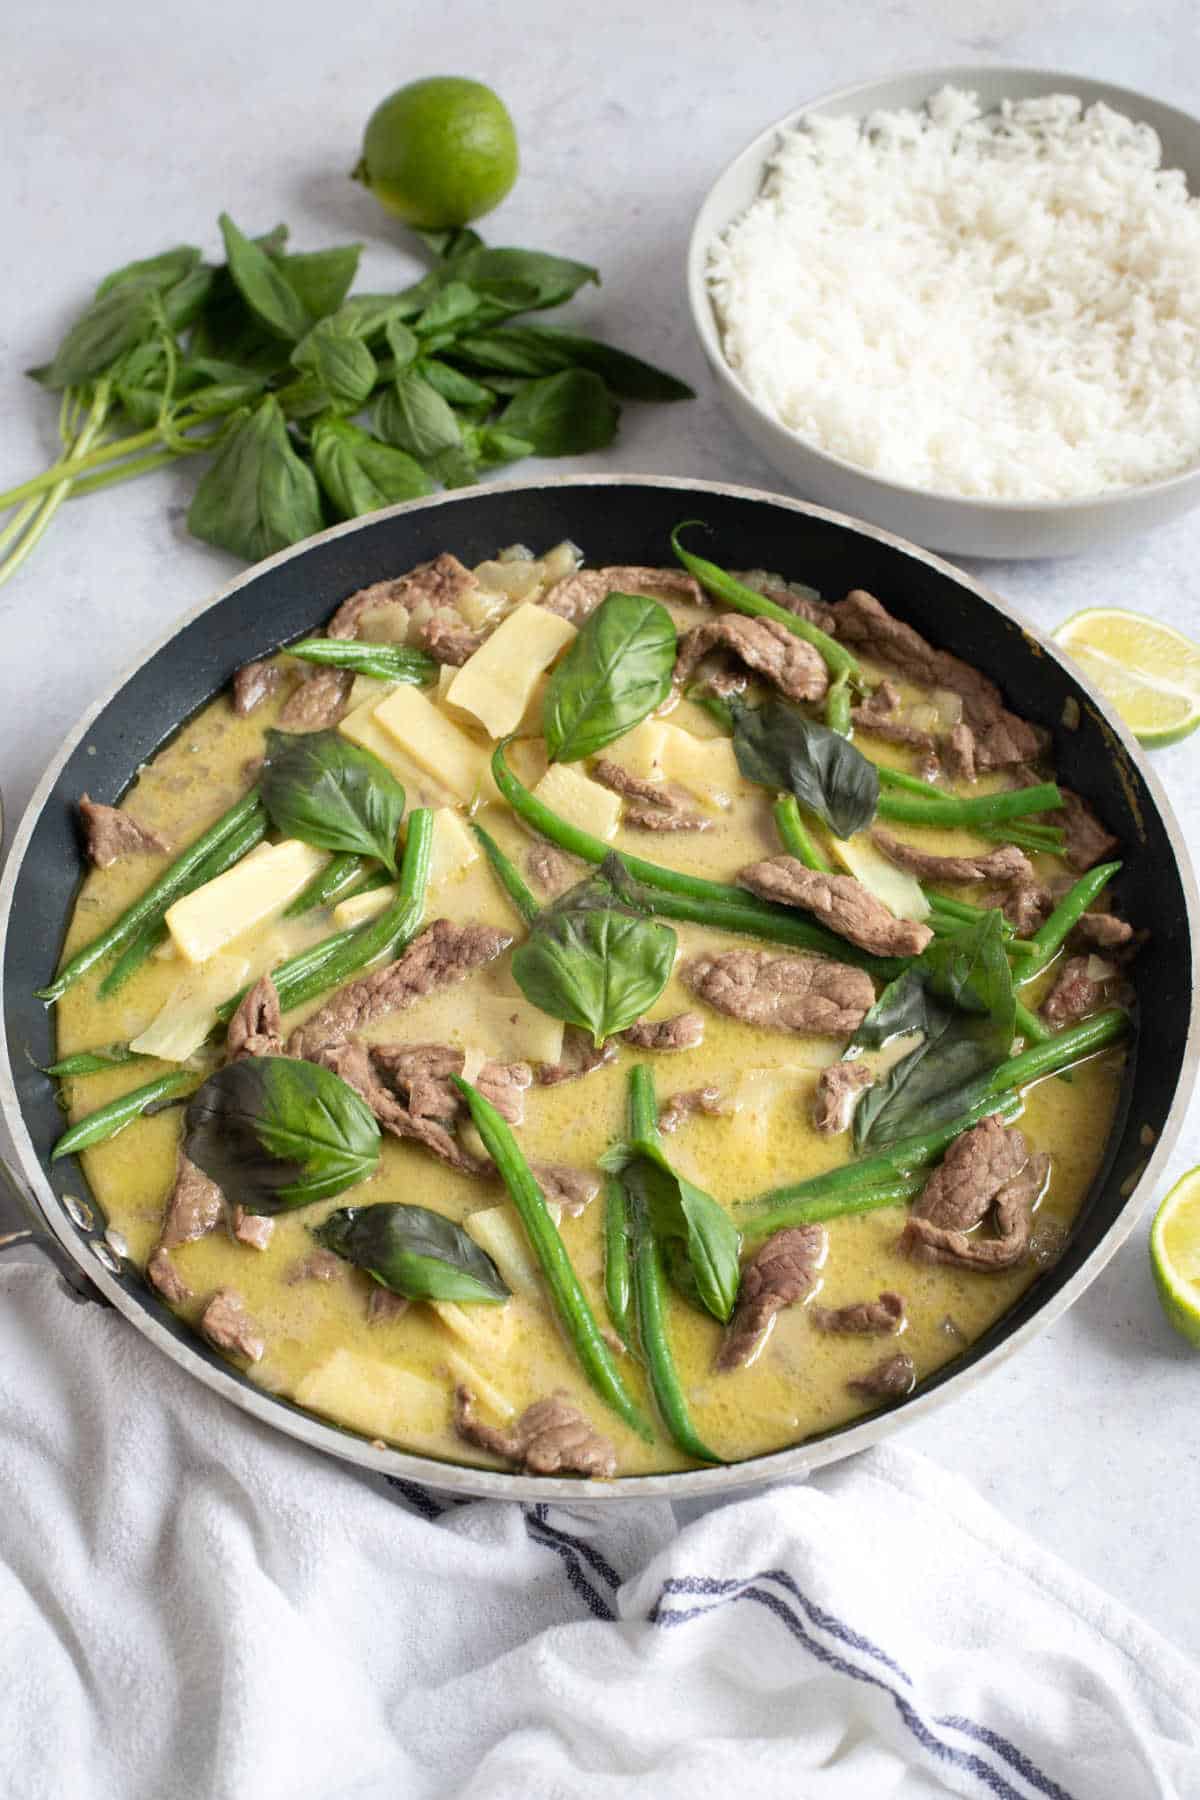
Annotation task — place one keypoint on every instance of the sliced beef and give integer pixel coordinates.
(785, 993)
(193, 1208)
(253, 1229)
(839, 901)
(840, 1087)
(1013, 1217)
(318, 1265)
(1102, 932)
(683, 1106)
(449, 639)
(881, 1318)
(880, 715)
(890, 1379)
(162, 1274)
(551, 1437)
(958, 753)
(1074, 994)
(764, 646)
(683, 1031)
(353, 1063)
(254, 683)
(505, 1085)
(781, 1272)
(974, 1169)
(803, 605)
(383, 1306)
(441, 583)
(572, 1189)
(1088, 841)
(228, 1326)
(550, 867)
(865, 623)
(577, 595)
(640, 816)
(109, 834)
(256, 1027)
(319, 702)
(1005, 865)
(1026, 906)
(1009, 741)
(650, 805)
(443, 955)
(419, 1075)
(580, 1056)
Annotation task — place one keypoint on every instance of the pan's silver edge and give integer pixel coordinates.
(702, 1483)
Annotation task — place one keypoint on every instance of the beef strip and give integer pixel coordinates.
(1005, 865)
(353, 1063)
(579, 1057)
(804, 606)
(1102, 932)
(551, 1437)
(974, 1169)
(443, 955)
(572, 1189)
(784, 993)
(863, 621)
(1013, 1212)
(890, 1379)
(958, 753)
(253, 1229)
(779, 1273)
(1074, 994)
(682, 1031)
(1025, 906)
(550, 867)
(839, 901)
(639, 816)
(318, 1265)
(883, 1317)
(319, 702)
(383, 1306)
(650, 805)
(254, 683)
(683, 1106)
(109, 834)
(765, 646)
(256, 1027)
(840, 1087)
(880, 715)
(162, 1274)
(442, 582)
(505, 1085)
(577, 595)
(193, 1207)
(1009, 741)
(1088, 841)
(228, 1326)
(449, 639)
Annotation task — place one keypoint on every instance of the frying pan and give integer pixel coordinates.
(616, 519)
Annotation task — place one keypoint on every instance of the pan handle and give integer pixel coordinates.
(20, 1226)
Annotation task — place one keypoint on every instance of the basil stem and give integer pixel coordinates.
(741, 599)
(157, 898)
(507, 875)
(108, 1120)
(1048, 940)
(338, 873)
(570, 1301)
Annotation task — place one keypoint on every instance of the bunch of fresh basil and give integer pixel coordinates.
(267, 361)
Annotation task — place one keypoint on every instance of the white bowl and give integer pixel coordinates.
(966, 527)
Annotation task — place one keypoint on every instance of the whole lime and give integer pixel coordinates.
(439, 152)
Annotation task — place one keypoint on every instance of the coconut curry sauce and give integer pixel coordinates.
(391, 1371)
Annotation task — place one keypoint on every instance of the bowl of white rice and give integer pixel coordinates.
(965, 304)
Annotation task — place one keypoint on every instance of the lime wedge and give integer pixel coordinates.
(1175, 1255)
(1149, 671)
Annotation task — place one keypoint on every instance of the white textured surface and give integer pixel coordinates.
(128, 128)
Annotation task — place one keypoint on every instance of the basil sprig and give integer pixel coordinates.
(414, 1252)
(258, 497)
(275, 1133)
(326, 791)
(615, 673)
(778, 747)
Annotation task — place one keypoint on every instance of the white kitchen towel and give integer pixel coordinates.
(194, 1606)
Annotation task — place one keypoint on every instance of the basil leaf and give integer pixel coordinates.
(359, 473)
(275, 1133)
(455, 388)
(616, 672)
(596, 966)
(778, 747)
(456, 467)
(402, 343)
(900, 1009)
(339, 361)
(496, 446)
(258, 496)
(323, 789)
(124, 317)
(321, 278)
(563, 415)
(523, 280)
(449, 309)
(161, 272)
(446, 245)
(699, 1240)
(367, 316)
(413, 417)
(183, 303)
(263, 285)
(511, 353)
(414, 1252)
(543, 349)
(304, 398)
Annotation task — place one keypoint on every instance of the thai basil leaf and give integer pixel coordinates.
(778, 747)
(413, 416)
(447, 245)
(219, 398)
(598, 967)
(698, 1239)
(359, 473)
(258, 496)
(543, 349)
(321, 278)
(367, 316)
(563, 415)
(508, 352)
(414, 1252)
(183, 303)
(263, 285)
(900, 1009)
(455, 388)
(340, 362)
(276, 1133)
(450, 309)
(458, 466)
(323, 789)
(114, 324)
(304, 398)
(402, 343)
(162, 271)
(615, 673)
(496, 447)
(519, 280)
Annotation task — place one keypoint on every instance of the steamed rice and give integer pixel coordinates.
(1005, 306)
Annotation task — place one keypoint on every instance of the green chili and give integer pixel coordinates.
(108, 1120)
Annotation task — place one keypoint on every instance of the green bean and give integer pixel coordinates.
(1060, 1050)
(1040, 839)
(92, 1062)
(833, 1206)
(618, 1279)
(108, 1120)
(985, 809)
(374, 878)
(722, 585)
(386, 662)
(908, 784)
(1048, 940)
(649, 1285)
(689, 897)
(507, 874)
(157, 897)
(153, 933)
(338, 873)
(794, 835)
(570, 1302)
(1030, 1026)
(837, 707)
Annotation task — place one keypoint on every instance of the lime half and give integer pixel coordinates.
(439, 152)
(1149, 671)
(1175, 1255)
